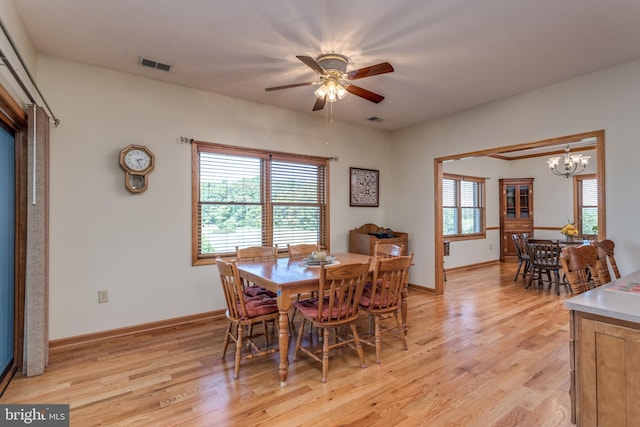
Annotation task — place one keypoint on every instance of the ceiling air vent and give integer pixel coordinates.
(154, 64)
(375, 119)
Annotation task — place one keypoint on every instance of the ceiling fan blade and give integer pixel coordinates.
(363, 93)
(290, 86)
(311, 63)
(319, 105)
(373, 70)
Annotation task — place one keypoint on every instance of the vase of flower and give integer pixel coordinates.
(569, 231)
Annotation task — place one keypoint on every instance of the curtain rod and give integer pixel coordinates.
(15, 74)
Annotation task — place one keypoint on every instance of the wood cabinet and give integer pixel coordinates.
(516, 213)
(605, 370)
(363, 239)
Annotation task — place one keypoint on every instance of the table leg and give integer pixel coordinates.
(284, 302)
(283, 343)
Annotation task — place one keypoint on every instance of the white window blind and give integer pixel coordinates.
(463, 206)
(587, 204)
(253, 198)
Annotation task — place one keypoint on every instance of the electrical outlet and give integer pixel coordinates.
(490, 246)
(103, 296)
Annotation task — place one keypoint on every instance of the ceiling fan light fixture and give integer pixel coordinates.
(331, 90)
(321, 92)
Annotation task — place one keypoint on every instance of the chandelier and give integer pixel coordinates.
(573, 164)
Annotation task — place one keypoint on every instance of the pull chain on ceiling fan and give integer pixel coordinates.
(335, 80)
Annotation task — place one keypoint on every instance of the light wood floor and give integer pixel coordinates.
(488, 353)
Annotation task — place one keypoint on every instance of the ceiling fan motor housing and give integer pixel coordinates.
(333, 62)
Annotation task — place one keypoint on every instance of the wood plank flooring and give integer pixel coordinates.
(487, 353)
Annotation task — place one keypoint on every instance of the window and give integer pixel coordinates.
(586, 209)
(463, 212)
(244, 197)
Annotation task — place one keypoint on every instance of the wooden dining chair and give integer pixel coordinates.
(336, 306)
(255, 254)
(301, 250)
(606, 261)
(382, 299)
(243, 313)
(387, 250)
(579, 263)
(544, 258)
(523, 256)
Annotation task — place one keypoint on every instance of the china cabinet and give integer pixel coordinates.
(516, 213)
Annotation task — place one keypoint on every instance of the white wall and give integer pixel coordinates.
(20, 39)
(552, 202)
(468, 252)
(552, 194)
(608, 99)
(139, 246)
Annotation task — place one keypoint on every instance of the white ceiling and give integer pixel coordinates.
(448, 55)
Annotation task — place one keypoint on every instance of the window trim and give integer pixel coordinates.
(198, 146)
(483, 207)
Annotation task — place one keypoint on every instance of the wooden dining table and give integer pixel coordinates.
(288, 278)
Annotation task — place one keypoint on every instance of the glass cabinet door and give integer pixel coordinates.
(510, 201)
(524, 200)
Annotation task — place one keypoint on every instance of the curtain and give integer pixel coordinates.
(36, 316)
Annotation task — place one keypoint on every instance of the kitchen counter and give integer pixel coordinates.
(604, 344)
(607, 301)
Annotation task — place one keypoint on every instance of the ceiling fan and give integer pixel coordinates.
(335, 80)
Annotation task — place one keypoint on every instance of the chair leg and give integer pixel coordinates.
(225, 344)
(238, 352)
(530, 280)
(377, 339)
(403, 336)
(325, 355)
(266, 332)
(299, 340)
(515, 278)
(356, 339)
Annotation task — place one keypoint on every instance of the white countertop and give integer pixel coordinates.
(604, 301)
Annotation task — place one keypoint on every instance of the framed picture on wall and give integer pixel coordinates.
(364, 187)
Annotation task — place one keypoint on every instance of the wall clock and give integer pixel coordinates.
(137, 162)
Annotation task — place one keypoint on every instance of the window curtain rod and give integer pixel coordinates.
(16, 76)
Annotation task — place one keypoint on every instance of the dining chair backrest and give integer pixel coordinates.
(606, 261)
(256, 253)
(544, 253)
(578, 263)
(387, 250)
(389, 277)
(233, 289)
(301, 250)
(517, 245)
(339, 292)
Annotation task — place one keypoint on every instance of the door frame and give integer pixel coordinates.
(13, 116)
(563, 140)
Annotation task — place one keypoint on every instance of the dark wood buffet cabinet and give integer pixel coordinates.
(516, 213)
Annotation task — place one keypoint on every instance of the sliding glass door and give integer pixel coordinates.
(7, 249)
